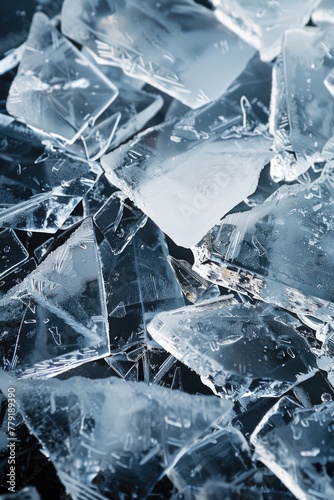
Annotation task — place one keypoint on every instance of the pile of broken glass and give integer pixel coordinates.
(167, 251)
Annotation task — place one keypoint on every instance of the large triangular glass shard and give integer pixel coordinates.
(239, 350)
(213, 148)
(262, 23)
(280, 252)
(302, 108)
(56, 318)
(180, 48)
(40, 194)
(57, 90)
(297, 444)
(139, 283)
(108, 438)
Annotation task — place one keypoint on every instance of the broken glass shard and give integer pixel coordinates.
(280, 251)
(193, 286)
(57, 90)
(262, 23)
(110, 450)
(239, 350)
(297, 444)
(119, 221)
(302, 109)
(28, 493)
(178, 48)
(213, 148)
(56, 318)
(39, 195)
(222, 454)
(42, 250)
(139, 283)
(12, 252)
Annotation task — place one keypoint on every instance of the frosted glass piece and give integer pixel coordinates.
(57, 90)
(179, 47)
(239, 350)
(220, 150)
(128, 433)
(280, 251)
(262, 23)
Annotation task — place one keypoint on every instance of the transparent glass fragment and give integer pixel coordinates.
(302, 109)
(57, 90)
(297, 444)
(28, 493)
(262, 23)
(12, 252)
(179, 48)
(41, 251)
(129, 444)
(119, 221)
(280, 251)
(213, 148)
(222, 454)
(139, 283)
(239, 350)
(56, 318)
(39, 195)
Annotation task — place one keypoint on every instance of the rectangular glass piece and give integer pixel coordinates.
(262, 23)
(239, 350)
(179, 47)
(57, 90)
(213, 148)
(302, 108)
(280, 251)
(128, 433)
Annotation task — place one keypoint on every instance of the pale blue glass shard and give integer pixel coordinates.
(139, 283)
(180, 48)
(223, 454)
(57, 90)
(41, 251)
(262, 23)
(12, 252)
(130, 444)
(280, 251)
(16, 275)
(302, 108)
(213, 148)
(324, 13)
(297, 444)
(39, 195)
(239, 350)
(56, 318)
(119, 221)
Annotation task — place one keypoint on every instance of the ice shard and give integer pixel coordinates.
(109, 438)
(302, 107)
(12, 252)
(297, 444)
(179, 47)
(139, 283)
(57, 90)
(222, 454)
(56, 318)
(213, 148)
(280, 251)
(39, 194)
(324, 13)
(239, 350)
(262, 23)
